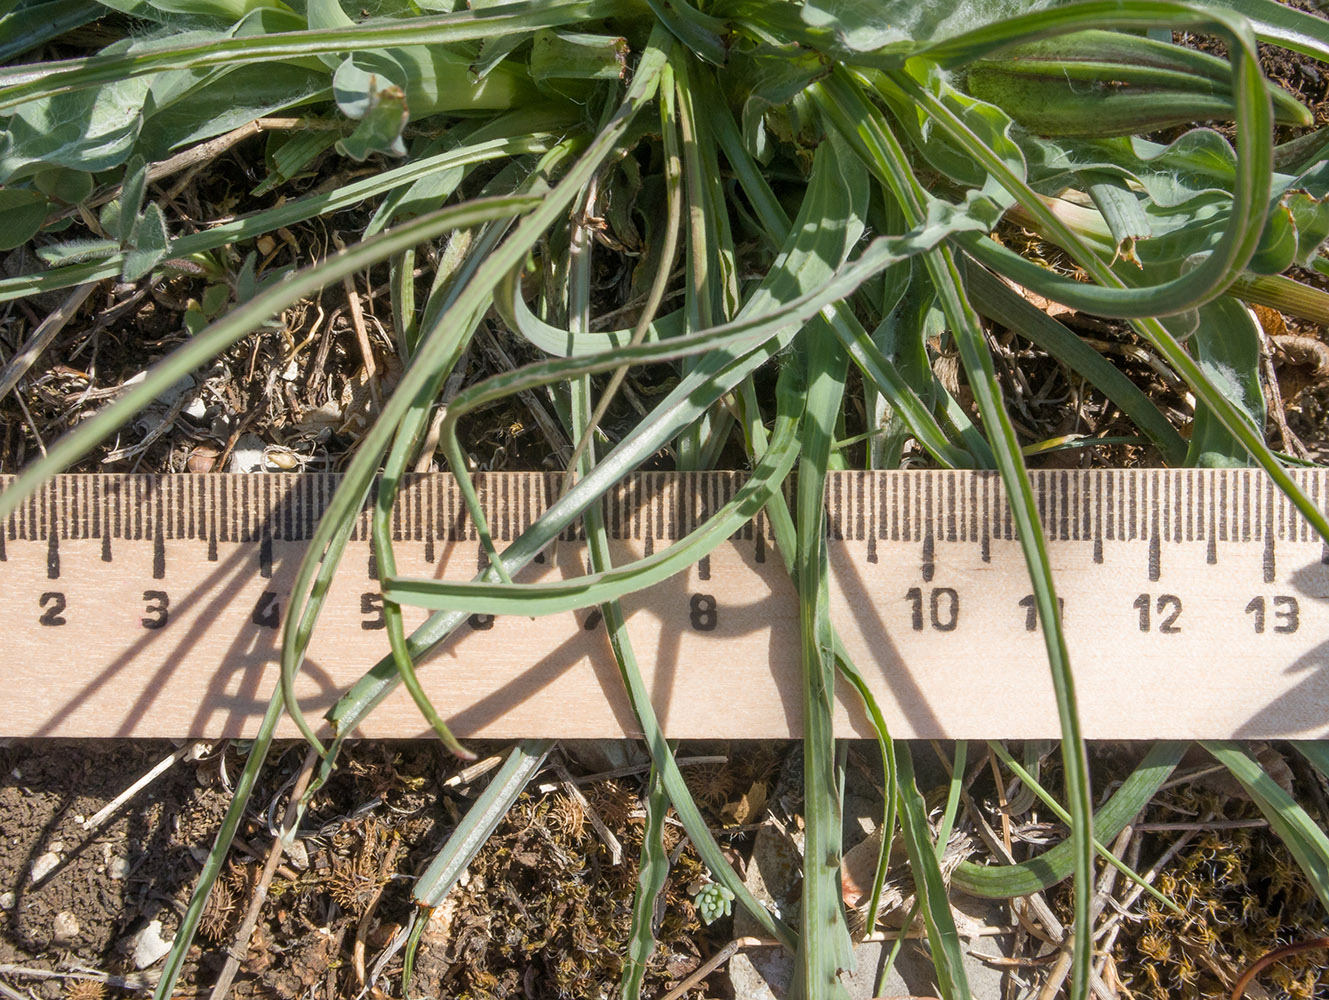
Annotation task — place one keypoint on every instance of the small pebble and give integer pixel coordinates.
(44, 865)
(247, 455)
(65, 928)
(117, 867)
(195, 409)
(298, 855)
(149, 946)
(57, 846)
(7, 900)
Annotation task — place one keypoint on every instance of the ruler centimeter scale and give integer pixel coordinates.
(1195, 603)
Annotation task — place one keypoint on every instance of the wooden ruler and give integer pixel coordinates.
(1196, 604)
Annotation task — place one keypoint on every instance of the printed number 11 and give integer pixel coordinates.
(1031, 611)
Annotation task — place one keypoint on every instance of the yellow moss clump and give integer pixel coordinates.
(1243, 895)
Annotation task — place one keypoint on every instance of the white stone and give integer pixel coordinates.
(44, 865)
(7, 900)
(247, 456)
(195, 409)
(64, 928)
(297, 854)
(149, 946)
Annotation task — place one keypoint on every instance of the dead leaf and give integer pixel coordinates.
(749, 805)
(1300, 362)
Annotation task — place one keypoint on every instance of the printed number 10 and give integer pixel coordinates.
(943, 608)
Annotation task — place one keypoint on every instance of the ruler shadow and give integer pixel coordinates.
(730, 683)
(250, 656)
(663, 668)
(1298, 713)
(489, 710)
(888, 668)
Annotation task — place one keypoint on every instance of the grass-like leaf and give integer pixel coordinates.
(1056, 863)
(1303, 836)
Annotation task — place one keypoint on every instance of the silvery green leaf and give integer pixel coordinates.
(149, 243)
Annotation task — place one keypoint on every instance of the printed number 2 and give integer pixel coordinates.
(705, 613)
(53, 602)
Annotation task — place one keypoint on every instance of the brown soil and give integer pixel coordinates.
(544, 910)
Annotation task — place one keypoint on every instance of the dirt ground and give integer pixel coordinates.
(543, 912)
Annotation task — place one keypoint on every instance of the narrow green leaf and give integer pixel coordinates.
(863, 125)
(1282, 24)
(700, 33)
(523, 762)
(652, 871)
(484, 149)
(1032, 784)
(438, 341)
(534, 599)
(1226, 345)
(1297, 830)
(1055, 864)
(824, 946)
(995, 300)
(26, 83)
(929, 886)
(239, 322)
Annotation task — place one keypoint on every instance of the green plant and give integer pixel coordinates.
(513, 125)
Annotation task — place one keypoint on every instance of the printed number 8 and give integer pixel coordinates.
(705, 615)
